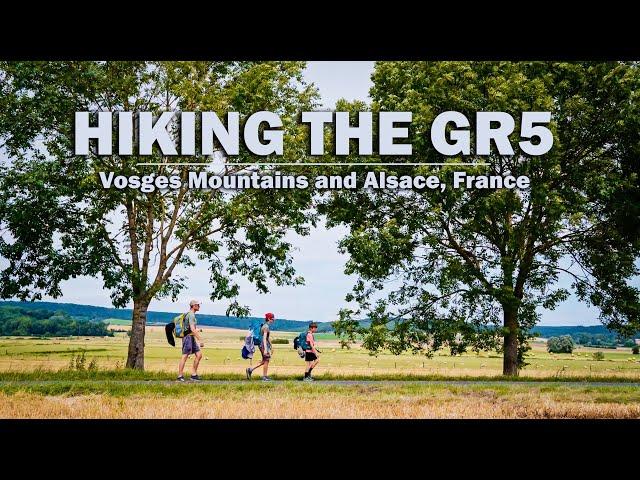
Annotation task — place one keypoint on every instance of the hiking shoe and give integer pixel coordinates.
(248, 372)
(308, 379)
(195, 378)
(266, 379)
(180, 379)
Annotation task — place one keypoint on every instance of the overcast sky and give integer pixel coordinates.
(316, 257)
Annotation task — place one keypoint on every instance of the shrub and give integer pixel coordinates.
(280, 341)
(636, 349)
(563, 344)
(598, 356)
(77, 362)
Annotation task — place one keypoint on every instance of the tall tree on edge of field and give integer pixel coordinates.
(58, 222)
(469, 268)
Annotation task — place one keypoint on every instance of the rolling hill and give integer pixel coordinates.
(93, 313)
(90, 312)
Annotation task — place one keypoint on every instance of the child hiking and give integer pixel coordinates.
(265, 348)
(310, 352)
(191, 343)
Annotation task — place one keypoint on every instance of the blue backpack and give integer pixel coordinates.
(256, 331)
(300, 344)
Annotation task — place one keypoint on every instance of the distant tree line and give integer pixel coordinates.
(15, 321)
(560, 344)
(98, 314)
(600, 340)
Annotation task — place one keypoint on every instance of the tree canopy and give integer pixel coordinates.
(59, 222)
(470, 268)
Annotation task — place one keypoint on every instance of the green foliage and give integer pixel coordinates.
(61, 223)
(471, 268)
(563, 344)
(77, 362)
(93, 365)
(598, 356)
(16, 321)
(280, 341)
(636, 349)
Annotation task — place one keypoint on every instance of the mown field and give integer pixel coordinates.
(290, 399)
(222, 356)
(40, 379)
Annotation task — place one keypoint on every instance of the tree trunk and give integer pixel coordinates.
(135, 356)
(510, 359)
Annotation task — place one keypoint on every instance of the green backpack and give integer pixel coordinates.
(181, 330)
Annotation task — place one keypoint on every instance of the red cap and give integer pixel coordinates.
(269, 316)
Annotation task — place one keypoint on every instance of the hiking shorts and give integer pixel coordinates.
(310, 356)
(266, 355)
(190, 345)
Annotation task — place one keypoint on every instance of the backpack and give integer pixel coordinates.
(168, 330)
(300, 344)
(248, 348)
(256, 332)
(181, 330)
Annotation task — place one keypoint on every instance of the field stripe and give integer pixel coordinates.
(326, 382)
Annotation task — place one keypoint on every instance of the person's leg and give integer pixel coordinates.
(265, 368)
(312, 365)
(196, 362)
(258, 365)
(265, 358)
(183, 361)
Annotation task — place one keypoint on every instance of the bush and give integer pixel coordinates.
(629, 343)
(563, 344)
(77, 362)
(598, 356)
(636, 349)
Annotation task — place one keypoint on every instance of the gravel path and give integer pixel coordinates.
(333, 382)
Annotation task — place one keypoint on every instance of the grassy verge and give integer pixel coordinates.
(128, 374)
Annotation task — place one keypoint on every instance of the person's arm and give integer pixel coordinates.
(265, 331)
(194, 329)
(312, 342)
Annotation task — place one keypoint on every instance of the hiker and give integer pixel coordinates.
(265, 348)
(310, 352)
(191, 343)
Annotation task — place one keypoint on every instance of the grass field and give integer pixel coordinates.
(222, 356)
(37, 382)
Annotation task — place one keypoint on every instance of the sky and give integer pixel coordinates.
(316, 257)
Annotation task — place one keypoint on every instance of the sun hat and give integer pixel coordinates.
(194, 302)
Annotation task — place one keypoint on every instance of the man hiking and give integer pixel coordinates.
(191, 343)
(310, 353)
(265, 348)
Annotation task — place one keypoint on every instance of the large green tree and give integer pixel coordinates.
(470, 268)
(58, 222)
